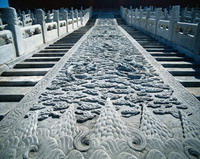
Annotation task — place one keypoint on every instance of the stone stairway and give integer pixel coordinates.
(183, 68)
(15, 83)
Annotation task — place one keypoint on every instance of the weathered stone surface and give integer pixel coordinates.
(107, 101)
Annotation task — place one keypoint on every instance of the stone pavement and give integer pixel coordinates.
(108, 99)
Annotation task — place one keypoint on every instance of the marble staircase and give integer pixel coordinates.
(185, 69)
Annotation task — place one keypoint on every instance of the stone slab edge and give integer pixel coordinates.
(179, 90)
(13, 118)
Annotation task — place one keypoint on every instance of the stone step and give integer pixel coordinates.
(58, 47)
(35, 65)
(145, 40)
(131, 30)
(155, 46)
(148, 42)
(48, 54)
(42, 59)
(160, 49)
(189, 81)
(54, 50)
(184, 71)
(6, 107)
(26, 72)
(171, 58)
(141, 37)
(19, 80)
(70, 39)
(166, 54)
(62, 44)
(195, 91)
(178, 64)
(13, 94)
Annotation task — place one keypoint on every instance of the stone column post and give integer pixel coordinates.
(1, 22)
(197, 39)
(175, 12)
(193, 14)
(76, 16)
(23, 18)
(183, 12)
(140, 16)
(41, 20)
(158, 17)
(132, 14)
(90, 12)
(56, 19)
(81, 15)
(166, 14)
(29, 12)
(48, 16)
(147, 17)
(65, 15)
(136, 12)
(129, 17)
(72, 16)
(121, 8)
(12, 21)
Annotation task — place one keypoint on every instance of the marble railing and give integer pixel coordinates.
(52, 31)
(31, 38)
(16, 40)
(180, 34)
(7, 48)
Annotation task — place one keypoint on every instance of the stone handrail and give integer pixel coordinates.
(30, 31)
(180, 34)
(31, 38)
(28, 38)
(184, 35)
(163, 28)
(7, 48)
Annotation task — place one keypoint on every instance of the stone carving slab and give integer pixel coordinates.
(105, 102)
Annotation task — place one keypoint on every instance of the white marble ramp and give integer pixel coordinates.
(105, 99)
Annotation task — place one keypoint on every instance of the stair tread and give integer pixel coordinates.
(168, 54)
(184, 69)
(28, 69)
(172, 58)
(26, 72)
(42, 59)
(176, 62)
(188, 78)
(36, 63)
(14, 90)
(181, 64)
(20, 78)
(194, 90)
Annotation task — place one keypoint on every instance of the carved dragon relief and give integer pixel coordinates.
(105, 103)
